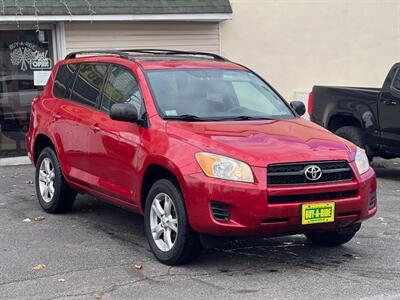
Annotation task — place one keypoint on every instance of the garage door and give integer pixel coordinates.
(125, 35)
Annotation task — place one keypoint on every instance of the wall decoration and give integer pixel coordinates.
(27, 55)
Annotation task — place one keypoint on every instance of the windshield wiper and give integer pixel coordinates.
(189, 117)
(247, 118)
(186, 117)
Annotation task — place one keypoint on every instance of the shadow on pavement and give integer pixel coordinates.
(387, 169)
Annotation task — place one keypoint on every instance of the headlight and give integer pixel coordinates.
(223, 167)
(361, 160)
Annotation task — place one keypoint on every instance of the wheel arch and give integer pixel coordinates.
(341, 120)
(41, 141)
(158, 169)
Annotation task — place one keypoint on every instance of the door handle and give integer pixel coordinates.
(389, 102)
(56, 117)
(95, 128)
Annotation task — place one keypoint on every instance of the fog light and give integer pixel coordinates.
(372, 201)
(220, 211)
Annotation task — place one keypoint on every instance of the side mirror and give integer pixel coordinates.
(298, 107)
(124, 112)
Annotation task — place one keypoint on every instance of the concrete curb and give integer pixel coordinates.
(14, 161)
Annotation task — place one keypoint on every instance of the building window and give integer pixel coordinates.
(23, 55)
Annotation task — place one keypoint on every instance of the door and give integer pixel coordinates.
(113, 149)
(23, 55)
(74, 117)
(389, 113)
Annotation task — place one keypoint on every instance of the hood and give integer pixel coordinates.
(260, 143)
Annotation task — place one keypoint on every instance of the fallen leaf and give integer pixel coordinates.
(61, 280)
(39, 267)
(27, 220)
(39, 218)
(97, 296)
(29, 182)
(138, 267)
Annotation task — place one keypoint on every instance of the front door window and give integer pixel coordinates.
(26, 56)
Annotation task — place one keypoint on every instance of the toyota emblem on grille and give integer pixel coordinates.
(313, 172)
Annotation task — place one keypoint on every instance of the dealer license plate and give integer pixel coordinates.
(313, 213)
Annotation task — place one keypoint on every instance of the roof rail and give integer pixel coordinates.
(122, 54)
(127, 55)
(177, 52)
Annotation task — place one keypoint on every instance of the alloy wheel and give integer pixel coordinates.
(163, 222)
(47, 180)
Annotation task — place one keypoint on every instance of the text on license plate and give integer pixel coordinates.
(317, 213)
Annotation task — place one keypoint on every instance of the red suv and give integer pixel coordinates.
(199, 145)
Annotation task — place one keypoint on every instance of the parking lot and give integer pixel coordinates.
(99, 251)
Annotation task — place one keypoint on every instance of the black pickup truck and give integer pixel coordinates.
(368, 117)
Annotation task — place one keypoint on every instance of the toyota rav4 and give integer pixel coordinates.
(199, 145)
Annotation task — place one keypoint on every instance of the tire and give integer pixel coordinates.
(354, 135)
(184, 244)
(63, 197)
(334, 238)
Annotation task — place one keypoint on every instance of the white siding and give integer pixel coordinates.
(127, 35)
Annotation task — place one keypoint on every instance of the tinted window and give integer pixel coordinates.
(88, 83)
(396, 81)
(121, 87)
(63, 79)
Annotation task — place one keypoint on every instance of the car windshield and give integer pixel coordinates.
(214, 94)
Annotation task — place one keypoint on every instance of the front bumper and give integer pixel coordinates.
(251, 214)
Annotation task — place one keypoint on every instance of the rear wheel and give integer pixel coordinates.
(354, 135)
(334, 238)
(170, 236)
(53, 193)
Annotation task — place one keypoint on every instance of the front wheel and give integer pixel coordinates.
(334, 238)
(170, 236)
(53, 193)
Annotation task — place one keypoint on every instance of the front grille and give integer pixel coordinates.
(220, 211)
(313, 197)
(285, 174)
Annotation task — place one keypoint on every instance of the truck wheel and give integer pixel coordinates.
(170, 236)
(53, 193)
(334, 238)
(354, 135)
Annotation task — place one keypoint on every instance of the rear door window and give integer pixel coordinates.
(121, 87)
(88, 83)
(64, 79)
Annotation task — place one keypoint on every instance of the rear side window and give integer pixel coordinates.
(88, 83)
(121, 87)
(63, 80)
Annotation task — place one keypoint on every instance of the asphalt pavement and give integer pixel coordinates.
(99, 251)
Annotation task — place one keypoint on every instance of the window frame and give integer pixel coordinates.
(100, 95)
(71, 82)
(396, 75)
(110, 67)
